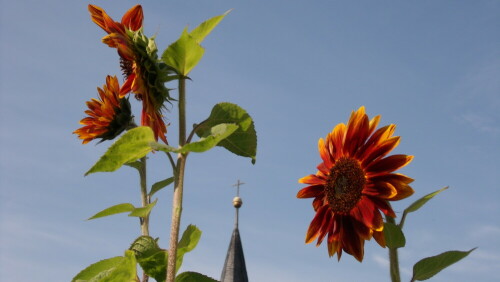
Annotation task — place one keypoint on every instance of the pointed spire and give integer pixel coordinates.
(234, 267)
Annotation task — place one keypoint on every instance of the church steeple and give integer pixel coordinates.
(234, 267)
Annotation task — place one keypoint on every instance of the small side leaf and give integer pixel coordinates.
(394, 237)
(144, 246)
(215, 135)
(160, 185)
(428, 267)
(188, 242)
(201, 31)
(156, 265)
(98, 269)
(120, 208)
(131, 146)
(243, 142)
(420, 202)
(190, 276)
(113, 269)
(143, 211)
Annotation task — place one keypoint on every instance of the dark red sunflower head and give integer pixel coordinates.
(108, 116)
(353, 185)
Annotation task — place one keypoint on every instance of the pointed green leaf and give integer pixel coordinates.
(394, 237)
(120, 208)
(113, 269)
(160, 185)
(184, 54)
(201, 31)
(131, 146)
(143, 211)
(243, 141)
(420, 202)
(188, 242)
(190, 276)
(215, 135)
(99, 268)
(428, 267)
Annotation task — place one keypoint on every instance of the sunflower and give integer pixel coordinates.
(354, 183)
(144, 75)
(107, 117)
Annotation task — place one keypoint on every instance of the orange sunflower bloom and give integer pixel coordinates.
(354, 183)
(139, 63)
(107, 117)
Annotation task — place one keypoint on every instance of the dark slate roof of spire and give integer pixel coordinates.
(234, 268)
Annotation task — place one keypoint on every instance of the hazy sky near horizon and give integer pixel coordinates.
(298, 68)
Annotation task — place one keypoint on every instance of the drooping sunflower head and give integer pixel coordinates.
(144, 75)
(354, 183)
(108, 116)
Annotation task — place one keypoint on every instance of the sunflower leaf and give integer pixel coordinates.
(184, 54)
(243, 141)
(201, 31)
(112, 269)
(143, 211)
(144, 246)
(394, 237)
(120, 208)
(428, 267)
(212, 137)
(189, 276)
(135, 164)
(160, 185)
(188, 242)
(131, 146)
(420, 202)
(155, 265)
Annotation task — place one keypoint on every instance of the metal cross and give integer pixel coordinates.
(237, 185)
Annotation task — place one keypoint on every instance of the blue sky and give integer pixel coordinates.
(298, 68)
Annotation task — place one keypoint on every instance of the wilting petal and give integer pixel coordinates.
(133, 18)
(316, 223)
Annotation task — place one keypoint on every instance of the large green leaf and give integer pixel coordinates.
(184, 54)
(201, 31)
(394, 237)
(420, 202)
(120, 208)
(160, 185)
(143, 211)
(112, 269)
(190, 276)
(428, 267)
(243, 141)
(131, 146)
(188, 242)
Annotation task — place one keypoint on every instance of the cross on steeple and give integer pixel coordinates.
(237, 185)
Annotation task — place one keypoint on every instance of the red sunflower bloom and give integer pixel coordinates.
(139, 63)
(107, 117)
(354, 183)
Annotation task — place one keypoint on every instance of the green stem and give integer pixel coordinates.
(179, 185)
(144, 197)
(393, 258)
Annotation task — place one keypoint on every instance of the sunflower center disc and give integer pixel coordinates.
(344, 185)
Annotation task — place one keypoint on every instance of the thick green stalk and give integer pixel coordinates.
(179, 185)
(393, 258)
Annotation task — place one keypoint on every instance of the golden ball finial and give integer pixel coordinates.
(237, 202)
